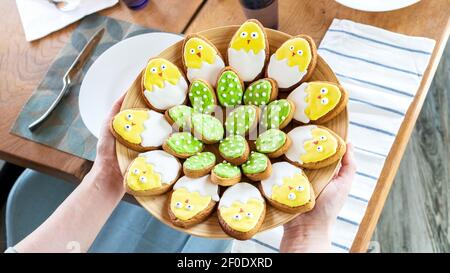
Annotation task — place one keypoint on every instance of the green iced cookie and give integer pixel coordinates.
(207, 127)
(229, 89)
(257, 163)
(181, 115)
(240, 120)
(258, 93)
(270, 141)
(233, 146)
(275, 113)
(201, 96)
(184, 143)
(200, 161)
(226, 170)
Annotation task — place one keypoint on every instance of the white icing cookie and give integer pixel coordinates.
(241, 192)
(247, 64)
(207, 72)
(164, 164)
(298, 96)
(156, 130)
(280, 171)
(168, 96)
(202, 185)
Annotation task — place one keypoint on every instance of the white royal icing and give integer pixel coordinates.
(241, 192)
(280, 170)
(247, 64)
(207, 72)
(285, 75)
(202, 185)
(164, 164)
(298, 96)
(168, 96)
(156, 130)
(298, 136)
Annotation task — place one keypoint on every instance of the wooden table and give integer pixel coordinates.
(23, 65)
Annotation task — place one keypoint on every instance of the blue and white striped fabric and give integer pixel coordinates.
(382, 72)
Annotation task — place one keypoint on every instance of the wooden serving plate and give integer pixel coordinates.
(210, 228)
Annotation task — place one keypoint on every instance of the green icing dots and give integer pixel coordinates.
(240, 120)
(200, 161)
(181, 115)
(258, 93)
(233, 146)
(201, 97)
(184, 143)
(257, 163)
(229, 89)
(270, 141)
(209, 127)
(275, 113)
(226, 170)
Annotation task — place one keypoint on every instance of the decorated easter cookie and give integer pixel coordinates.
(248, 50)
(288, 189)
(182, 145)
(163, 85)
(314, 147)
(257, 167)
(277, 114)
(242, 120)
(241, 211)
(192, 200)
(261, 92)
(318, 102)
(207, 128)
(151, 173)
(293, 62)
(199, 164)
(201, 59)
(202, 96)
(179, 117)
(225, 174)
(273, 142)
(234, 149)
(140, 129)
(229, 88)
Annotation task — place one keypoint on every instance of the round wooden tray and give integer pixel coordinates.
(210, 228)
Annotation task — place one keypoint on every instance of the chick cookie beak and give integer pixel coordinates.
(290, 187)
(248, 41)
(293, 54)
(316, 142)
(199, 54)
(160, 74)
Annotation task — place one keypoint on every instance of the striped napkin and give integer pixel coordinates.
(382, 71)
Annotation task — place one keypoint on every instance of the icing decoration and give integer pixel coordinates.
(229, 89)
(201, 97)
(311, 144)
(207, 126)
(233, 146)
(241, 206)
(192, 195)
(314, 100)
(208, 72)
(226, 170)
(164, 84)
(144, 127)
(184, 143)
(287, 185)
(152, 169)
(257, 163)
(240, 120)
(275, 113)
(181, 115)
(200, 161)
(270, 141)
(258, 93)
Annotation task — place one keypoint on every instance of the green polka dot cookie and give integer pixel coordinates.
(277, 114)
(179, 115)
(242, 120)
(229, 88)
(207, 128)
(261, 92)
(226, 174)
(202, 97)
(234, 149)
(273, 142)
(182, 145)
(199, 165)
(257, 167)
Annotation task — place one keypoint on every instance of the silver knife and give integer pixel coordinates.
(70, 76)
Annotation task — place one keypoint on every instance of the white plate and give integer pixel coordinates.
(377, 5)
(114, 71)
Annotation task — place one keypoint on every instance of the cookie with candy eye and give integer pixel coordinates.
(182, 145)
(288, 189)
(318, 102)
(199, 164)
(261, 92)
(241, 211)
(207, 128)
(225, 174)
(202, 97)
(179, 117)
(151, 173)
(201, 59)
(277, 114)
(140, 129)
(163, 85)
(229, 88)
(273, 143)
(293, 62)
(242, 120)
(192, 200)
(314, 147)
(234, 149)
(257, 167)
